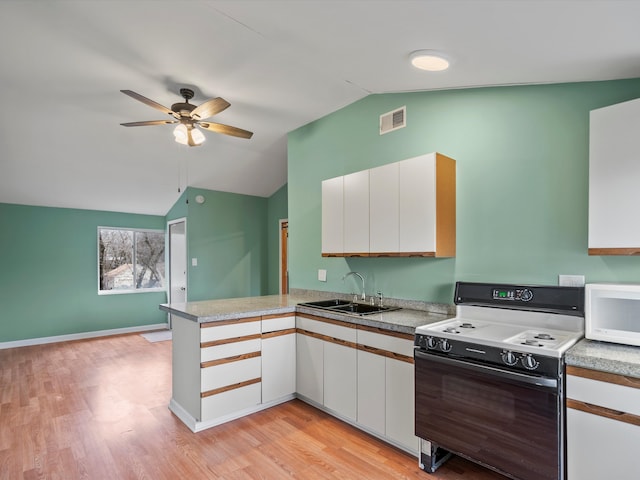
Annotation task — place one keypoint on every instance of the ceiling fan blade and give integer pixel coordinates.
(226, 129)
(148, 123)
(210, 108)
(149, 102)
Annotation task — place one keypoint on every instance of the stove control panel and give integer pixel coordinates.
(508, 359)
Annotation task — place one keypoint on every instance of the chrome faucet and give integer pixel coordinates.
(364, 297)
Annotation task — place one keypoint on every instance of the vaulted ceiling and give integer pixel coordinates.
(281, 64)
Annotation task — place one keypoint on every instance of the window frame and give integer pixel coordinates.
(134, 231)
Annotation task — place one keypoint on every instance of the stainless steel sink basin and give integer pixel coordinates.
(345, 306)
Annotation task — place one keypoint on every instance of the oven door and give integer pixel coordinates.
(508, 421)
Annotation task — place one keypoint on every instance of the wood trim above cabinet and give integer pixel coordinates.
(326, 338)
(236, 358)
(233, 321)
(225, 341)
(385, 353)
(278, 333)
(235, 386)
(603, 376)
(615, 251)
(327, 320)
(389, 333)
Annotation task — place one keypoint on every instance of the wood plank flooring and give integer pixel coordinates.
(97, 409)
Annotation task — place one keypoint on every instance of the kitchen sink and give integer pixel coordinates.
(345, 306)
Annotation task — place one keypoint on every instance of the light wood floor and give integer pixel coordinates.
(97, 409)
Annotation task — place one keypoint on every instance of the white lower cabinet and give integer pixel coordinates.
(400, 401)
(278, 357)
(340, 379)
(371, 391)
(603, 425)
(310, 368)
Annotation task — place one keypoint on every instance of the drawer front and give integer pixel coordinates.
(230, 401)
(327, 329)
(229, 331)
(604, 394)
(274, 324)
(229, 350)
(389, 343)
(230, 373)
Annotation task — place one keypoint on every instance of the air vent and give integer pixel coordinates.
(393, 120)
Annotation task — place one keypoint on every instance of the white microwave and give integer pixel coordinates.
(612, 312)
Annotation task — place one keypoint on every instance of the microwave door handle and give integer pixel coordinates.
(518, 377)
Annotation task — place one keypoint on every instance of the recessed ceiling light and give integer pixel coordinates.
(429, 60)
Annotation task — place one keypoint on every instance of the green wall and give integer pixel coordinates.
(522, 185)
(228, 236)
(49, 274)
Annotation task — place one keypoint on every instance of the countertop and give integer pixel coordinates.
(405, 320)
(605, 357)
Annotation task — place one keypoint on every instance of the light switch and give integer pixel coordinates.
(571, 280)
(322, 275)
(194, 262)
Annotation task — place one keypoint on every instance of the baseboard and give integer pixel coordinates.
(81, 336)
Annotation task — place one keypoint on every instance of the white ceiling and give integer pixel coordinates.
(281, 64)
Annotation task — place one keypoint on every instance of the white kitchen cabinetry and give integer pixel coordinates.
(614, 167)
(603, 425)
(406, 208)
(386, 386)
(356, 213)
(278, 357)
(333, 216)
(327, 365)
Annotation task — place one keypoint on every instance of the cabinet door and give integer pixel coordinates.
(599, 447)
(332, 215)
(278, 366)
(614, 166)
(418, 204)
(356, 212)
(310, 367)
(384, 209)
(400, 416)
(340, 379)
(371, 391)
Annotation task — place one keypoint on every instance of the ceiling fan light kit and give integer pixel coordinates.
(188, 116)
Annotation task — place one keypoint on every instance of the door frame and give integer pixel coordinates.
(283, 257)
(186, 254)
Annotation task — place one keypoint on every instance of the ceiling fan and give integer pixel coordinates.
(188, 116)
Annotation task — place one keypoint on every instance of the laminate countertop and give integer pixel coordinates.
(605, 357)
(404, 320)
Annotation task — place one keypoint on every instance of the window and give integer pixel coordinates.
(130, 260)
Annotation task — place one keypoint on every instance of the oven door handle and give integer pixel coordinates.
(496, 372)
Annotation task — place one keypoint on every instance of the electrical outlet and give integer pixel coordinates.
(194, 262)
(571, 280)
(322, 275)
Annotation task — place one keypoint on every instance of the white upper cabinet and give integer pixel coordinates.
(614, 169)
(332, 215)
(405, 208)
(356, 213)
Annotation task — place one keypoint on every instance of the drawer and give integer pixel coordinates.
(230, 401)
(604, 394)
(229, 350)
(230, 373)
(390, 343)
(211, 332)
(273, 323)
(328, 329)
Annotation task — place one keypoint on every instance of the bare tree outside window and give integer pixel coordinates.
(130, 260)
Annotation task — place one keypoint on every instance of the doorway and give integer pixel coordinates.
(284, 257)
(177, 261)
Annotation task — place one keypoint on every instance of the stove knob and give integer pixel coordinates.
(509, 358)
(432, 343)
(529, 362)
(445, 346)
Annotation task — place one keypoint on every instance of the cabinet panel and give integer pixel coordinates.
(418, 204)
(371, 391)
(232, 330)
(332, 215)
(273, 324)
(229, 350)
(226, 403)
(226, 374)
(356, 212)
(384, 209)
(340, 379)
(599, 448)
(614, 166)
(278, 367)
(400, 403)
(391, 343)
(328, 329)
(310, 367)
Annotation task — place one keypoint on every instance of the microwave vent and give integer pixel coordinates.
(393, 120)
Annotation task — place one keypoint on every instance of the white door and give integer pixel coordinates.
(177, 261)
